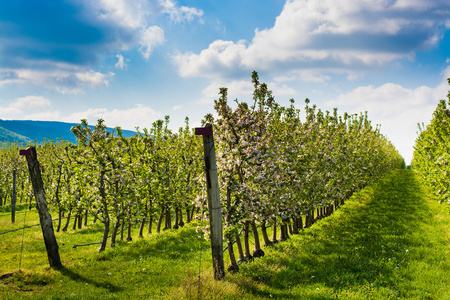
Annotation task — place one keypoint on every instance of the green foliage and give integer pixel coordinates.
(431, 157)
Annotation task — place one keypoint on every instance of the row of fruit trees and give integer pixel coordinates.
(431, 157)
(274, 170)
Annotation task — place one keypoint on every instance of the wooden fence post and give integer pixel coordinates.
(14, 198)
(215, 211)
(44, 217)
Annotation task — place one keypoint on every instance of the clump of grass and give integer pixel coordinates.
(203, 286)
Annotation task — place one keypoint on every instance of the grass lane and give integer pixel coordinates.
(389, 241)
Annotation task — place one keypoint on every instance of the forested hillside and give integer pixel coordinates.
(22, 131)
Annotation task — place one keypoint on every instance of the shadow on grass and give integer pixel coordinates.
(360, 245)
(79, 278)
(172, 244)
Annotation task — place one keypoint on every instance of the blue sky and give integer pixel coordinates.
(134, 61)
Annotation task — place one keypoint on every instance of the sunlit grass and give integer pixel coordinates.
(389, 241)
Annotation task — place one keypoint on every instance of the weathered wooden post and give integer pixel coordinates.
(14, 198)
(215, 211)
(44, 216)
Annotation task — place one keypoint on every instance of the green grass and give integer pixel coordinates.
(389, 241)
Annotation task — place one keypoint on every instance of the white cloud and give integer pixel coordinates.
(30, 102)
(179, 14)
(177, 107)
(151, 37)
(62, 77)
(120, 62)
(220, 57)
(20, 106)
(130, 14)
(139, 116)
(236, 89)
(136, 18)
(325, 35)
(396, 108)
(105, 27)
(241, 90)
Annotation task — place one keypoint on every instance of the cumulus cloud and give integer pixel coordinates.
(396, 108)
(241, 90)
(64, 78)
(120, 64)
(31, 102)
(23, 105)
(150, 38)
(236, 89)
(326, 35)
(37, 48)
(138, 116)
(180, 14)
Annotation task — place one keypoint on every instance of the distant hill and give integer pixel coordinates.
(12, 137)
(27, 131)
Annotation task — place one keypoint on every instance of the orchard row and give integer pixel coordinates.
(432, 151)
(275, 169)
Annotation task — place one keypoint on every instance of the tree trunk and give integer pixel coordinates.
(294, 226)
(129, 238)
(60, 216)
(194, 211)
(274, 233)
(188, 215)
(284, 235)
(150, 224)
(105, 211)
(68, 220)
(267, 242)
(86, 214)
(290, 227)
(150, 221)
(114, 233)
(300, 222)
(257, 252)
(80, 220)
(175, 226)
(105, 235)
(60, 212)
(168, 221)
(181, 223)
(161, 217)
(122, 227)
(233, 267)
(247, 255)
(75, 220)
(141, 228)
(240, 251)
(308, 219)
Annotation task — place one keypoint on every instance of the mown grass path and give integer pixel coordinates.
(389, 241)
